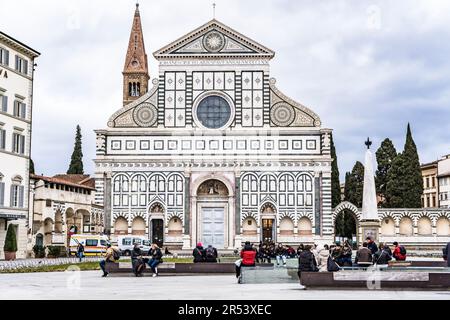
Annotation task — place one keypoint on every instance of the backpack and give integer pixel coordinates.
(332, 265)
(402, 250)
(116, 254)
(210, 252)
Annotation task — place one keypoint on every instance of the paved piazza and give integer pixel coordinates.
(89, 285)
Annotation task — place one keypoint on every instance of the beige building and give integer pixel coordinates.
(63, 205)
(443, 175)
(430, 197)
(16, 92)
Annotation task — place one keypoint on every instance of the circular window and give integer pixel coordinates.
(213, 112)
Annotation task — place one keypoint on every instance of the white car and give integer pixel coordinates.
(126, 244)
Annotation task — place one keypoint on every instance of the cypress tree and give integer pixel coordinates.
(10, 240)
(335, 184)
(413, 184)
(354, 185)
(31, 166)
(385, 156)
(395, 186)
(76, 163)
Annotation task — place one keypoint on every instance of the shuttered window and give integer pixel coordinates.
(2, 193)
(18, 143)
(21, 65)
(4, 102)
(17, 196)
(2, 139)
(19, 109)
(4, 57)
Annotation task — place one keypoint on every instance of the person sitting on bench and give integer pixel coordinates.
(156, 258)
(199, 253)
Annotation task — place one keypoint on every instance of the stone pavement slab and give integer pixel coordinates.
(90, 285)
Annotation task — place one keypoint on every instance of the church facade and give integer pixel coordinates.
(210, 150)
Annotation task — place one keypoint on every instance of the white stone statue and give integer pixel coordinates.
(369, 204)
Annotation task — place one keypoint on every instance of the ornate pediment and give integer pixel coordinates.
(214, 39)
(285, 112)
(142, 112)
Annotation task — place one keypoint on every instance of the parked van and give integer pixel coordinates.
(94, 244)
(126, 244)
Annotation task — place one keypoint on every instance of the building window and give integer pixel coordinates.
(18, 143)
(213, 112)
(427, 182)
(19, 109)
(21, 65)
(4, 57)
(2, 191)
(2, 139)
(48, 203)
(17, 196)
(4, 102)
(134, 89)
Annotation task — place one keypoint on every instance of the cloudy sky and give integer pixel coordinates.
(366, 67)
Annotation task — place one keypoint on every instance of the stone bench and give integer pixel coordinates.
(182, 268)
(268, 274)
(387, 279)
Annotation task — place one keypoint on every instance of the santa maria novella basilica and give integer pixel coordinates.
(210, 150)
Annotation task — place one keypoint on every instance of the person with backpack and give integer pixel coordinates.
(399, 252)
(382, 256)
(211, 254)
(199, 253)
(111, 256)
(156, 258)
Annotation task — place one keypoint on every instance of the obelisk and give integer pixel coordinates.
(370, 223)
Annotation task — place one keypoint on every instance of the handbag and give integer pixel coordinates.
(238, 262)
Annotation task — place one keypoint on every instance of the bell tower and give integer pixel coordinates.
(135, 71)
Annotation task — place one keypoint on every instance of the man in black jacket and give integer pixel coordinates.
(371, 245)
(199, 253)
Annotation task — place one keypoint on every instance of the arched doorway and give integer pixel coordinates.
(121, 226)
(346, 227)
(156, 225)
(268, 222)
(212, 212)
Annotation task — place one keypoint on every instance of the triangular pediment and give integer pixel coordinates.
(214, 39)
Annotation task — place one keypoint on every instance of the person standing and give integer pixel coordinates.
(371, 245)
(280, 253)
(248, 256)
(346, 254)
(399, 252)
(199, 253)
(80, 251)
(363, 256)
(156, 258)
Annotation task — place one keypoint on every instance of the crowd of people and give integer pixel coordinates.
(310, 257)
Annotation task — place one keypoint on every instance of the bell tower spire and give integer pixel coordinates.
(135, 70)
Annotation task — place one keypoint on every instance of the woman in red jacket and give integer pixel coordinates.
(248, 256)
